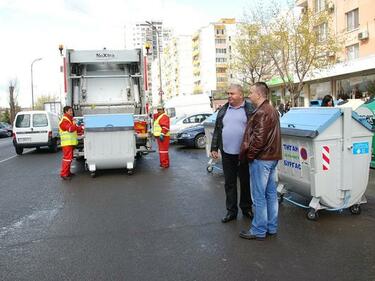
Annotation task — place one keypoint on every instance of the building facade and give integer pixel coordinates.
(353, 22)
(148, 36)
(212, 53)
(178, 67)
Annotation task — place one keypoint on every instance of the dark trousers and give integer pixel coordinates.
(233, 168)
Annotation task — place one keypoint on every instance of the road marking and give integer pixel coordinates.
(1, 161)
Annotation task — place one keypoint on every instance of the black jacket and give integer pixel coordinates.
(217, 141)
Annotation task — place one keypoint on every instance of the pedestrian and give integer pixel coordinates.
(161, 132)
(281, 109)
(287, 106)
(344, 98)
(230, 126)
(327, 101)
(262, 148)
(68, 135)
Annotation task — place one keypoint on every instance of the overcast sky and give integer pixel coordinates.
(31, 29)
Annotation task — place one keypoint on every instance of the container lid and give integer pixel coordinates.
(308, 122)
(112, 121)
(210, 120)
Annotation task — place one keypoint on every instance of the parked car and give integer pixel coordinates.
(185, 122)
(192, 137)
(6, 129)
(3, 133)
(36, 129)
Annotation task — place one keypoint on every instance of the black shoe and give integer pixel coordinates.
(65, 178)
(248, 214)
(228, 218)
(271, 234)
(246, 235)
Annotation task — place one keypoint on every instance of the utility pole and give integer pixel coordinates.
(158, 52)
(32, 83)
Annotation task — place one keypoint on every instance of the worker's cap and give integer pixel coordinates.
(160, 106)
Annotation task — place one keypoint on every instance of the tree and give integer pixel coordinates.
(250, 62)
(300, 45)
(5, 117)
(39, 104)
(13, 105)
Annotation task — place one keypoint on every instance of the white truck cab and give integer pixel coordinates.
(35, 129)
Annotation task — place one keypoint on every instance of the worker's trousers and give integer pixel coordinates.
(66, 161)
(163, 151)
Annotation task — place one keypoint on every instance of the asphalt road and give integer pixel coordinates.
(161, 225)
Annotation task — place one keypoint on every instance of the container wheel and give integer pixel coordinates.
(130, 172)
(93, 174)
(312, 215)
(280, 198)
(355, 209)
(209, 169)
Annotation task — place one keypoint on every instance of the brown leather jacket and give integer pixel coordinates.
(262, 138)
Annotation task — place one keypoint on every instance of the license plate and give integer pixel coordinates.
(24, 139)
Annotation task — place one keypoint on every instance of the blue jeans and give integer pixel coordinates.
(264, 195)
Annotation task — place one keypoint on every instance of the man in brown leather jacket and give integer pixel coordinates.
(262, 148)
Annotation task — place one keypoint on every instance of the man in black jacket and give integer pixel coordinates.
(229, 129)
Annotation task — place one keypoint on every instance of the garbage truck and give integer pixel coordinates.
(106, 90)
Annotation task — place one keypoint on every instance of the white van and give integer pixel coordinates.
(185, 105)
(35, 129)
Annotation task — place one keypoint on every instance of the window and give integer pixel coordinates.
(23, 121)
(220, 31)
(322, 32)
(221, 70)
(352, 21)
(319, 5)
(221, 51)
(221, 79)
(40, 120)
(220, 41)
(352, 51)
(221, 60)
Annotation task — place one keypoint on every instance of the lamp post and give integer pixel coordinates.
(158, 52)
(32, 84)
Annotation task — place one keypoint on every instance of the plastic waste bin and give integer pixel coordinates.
(326, 157)
(367, 110)
(109, 142)
(209, 127)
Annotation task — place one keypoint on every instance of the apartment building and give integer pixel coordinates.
(353, 22)
(177, 67)
(212, 54)
(148, 36)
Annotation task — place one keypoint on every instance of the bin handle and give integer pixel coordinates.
(291, 126)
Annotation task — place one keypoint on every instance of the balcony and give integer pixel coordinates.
(302, 3)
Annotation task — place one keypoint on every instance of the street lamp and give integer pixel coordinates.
(158, 51)
(32, 84)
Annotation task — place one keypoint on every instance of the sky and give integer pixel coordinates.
(31, 29)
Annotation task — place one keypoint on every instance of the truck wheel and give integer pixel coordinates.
(19, 150)
(200, 141)
(355, 209)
